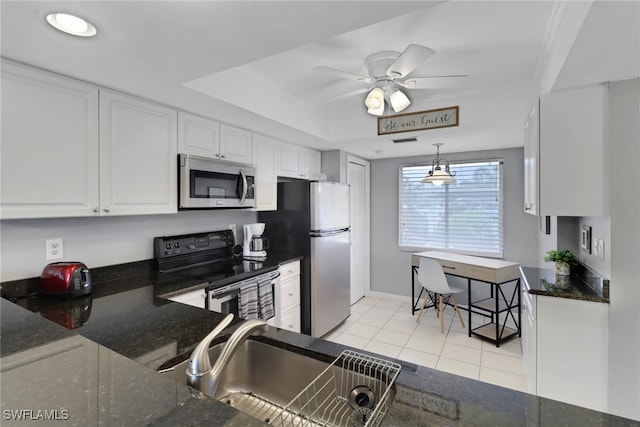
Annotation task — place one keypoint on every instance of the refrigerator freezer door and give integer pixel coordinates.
(330, 288)
(329, 206)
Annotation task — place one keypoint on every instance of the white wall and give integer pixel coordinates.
(600, 229)
(100, 241)
(390, 267)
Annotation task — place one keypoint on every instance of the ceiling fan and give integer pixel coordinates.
(388, 72)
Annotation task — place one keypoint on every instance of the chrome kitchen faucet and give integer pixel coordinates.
(200, 374)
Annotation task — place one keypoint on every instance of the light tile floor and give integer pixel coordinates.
(386, 326)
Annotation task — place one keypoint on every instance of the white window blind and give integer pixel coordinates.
(465, 217)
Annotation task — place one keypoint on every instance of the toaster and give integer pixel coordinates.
(65, 279)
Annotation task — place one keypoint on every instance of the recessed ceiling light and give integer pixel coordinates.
(71, 24)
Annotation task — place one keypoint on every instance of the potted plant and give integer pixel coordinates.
(564, 259)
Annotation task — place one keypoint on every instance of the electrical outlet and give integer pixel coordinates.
(55, 249)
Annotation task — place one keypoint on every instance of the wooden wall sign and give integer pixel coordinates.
(422, 120)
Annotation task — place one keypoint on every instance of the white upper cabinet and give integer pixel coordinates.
(531, 158)
(236, 144)
(138, 156)
(207, 138)
(573, 161)
(265, 151)
(299, 162)
(198, 136)
(311, 163)
(49, 145)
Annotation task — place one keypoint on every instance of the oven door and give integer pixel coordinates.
(207, 183)
(246, 299)
(225, 304)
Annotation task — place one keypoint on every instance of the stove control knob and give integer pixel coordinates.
(176, 245)
(168, 246)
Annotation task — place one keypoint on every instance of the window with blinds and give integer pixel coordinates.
(465, 217)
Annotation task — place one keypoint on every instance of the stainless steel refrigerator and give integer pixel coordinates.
(312, 221)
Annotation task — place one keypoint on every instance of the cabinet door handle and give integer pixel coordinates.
(290, 294)
(224, 156)
(107, 210)
(96, 210)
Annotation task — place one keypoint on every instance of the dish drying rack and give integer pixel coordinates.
(355, 390)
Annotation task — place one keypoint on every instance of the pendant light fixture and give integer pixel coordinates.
(375, 100)
(437, 176)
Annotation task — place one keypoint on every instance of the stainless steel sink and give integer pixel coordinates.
(261, 379)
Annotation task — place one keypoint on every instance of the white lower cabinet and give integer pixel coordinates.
(571, 348)
(290, 320)
(194, 298)
(287, 298)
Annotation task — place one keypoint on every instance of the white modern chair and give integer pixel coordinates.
(432, 278)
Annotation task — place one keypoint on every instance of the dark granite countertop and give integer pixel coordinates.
(583, 284)
(128, 326)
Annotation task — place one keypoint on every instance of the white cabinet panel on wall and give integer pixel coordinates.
(265, 150)
(138, 152)
(573, 173)
(236, 144)
(49, 145)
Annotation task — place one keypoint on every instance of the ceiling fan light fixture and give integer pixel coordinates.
(375, 99)
(399, 100)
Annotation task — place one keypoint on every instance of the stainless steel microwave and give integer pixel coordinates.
(208, 183)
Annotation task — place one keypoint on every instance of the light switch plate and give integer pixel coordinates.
(598, 246)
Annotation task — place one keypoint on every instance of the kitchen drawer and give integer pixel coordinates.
(290, 269)
(290, 293)
(290, 320)
(466, 270)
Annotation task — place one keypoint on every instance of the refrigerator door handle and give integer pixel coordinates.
(321, 233)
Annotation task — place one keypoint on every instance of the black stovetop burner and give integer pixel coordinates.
(206, 257)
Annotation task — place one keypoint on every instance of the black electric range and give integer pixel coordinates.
(205, 258)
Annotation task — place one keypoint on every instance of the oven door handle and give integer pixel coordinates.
(244, 187)
(224, 292)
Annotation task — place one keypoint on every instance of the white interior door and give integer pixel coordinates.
(359, 241)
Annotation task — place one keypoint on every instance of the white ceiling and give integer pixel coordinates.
(249, 63)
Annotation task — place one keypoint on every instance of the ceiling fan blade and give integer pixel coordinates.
(347, 94)
(343, 74)
(408, 60)
(432, 82)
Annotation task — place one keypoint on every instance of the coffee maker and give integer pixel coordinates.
(254, 244)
